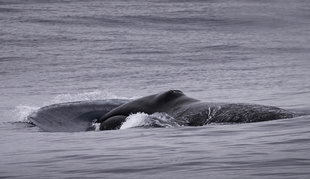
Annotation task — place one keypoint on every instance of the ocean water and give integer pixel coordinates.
(251, 51)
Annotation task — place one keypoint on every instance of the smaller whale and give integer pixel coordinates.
(191, 112)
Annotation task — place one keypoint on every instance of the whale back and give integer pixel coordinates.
(160, 102)
(167, 96)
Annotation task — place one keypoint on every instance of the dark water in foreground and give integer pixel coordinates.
(217, 51)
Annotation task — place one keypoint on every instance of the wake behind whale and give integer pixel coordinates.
(167, 109)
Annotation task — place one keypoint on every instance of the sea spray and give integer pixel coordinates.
(84, 96)
(22, 111)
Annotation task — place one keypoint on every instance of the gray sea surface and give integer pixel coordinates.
(251, 51)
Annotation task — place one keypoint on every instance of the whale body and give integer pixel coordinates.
(186, 111)
(192, 112)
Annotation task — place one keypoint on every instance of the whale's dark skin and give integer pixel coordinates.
(192, 112)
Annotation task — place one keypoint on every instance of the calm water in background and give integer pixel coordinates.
(220, 51)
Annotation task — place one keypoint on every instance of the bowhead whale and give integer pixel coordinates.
(192, 112)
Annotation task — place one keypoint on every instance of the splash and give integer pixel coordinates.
(22, 111)
(154, 120)
(94, 95)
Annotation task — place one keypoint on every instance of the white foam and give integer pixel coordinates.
(22, 111)
(135, 120)
(141, 119)
(96, 126)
